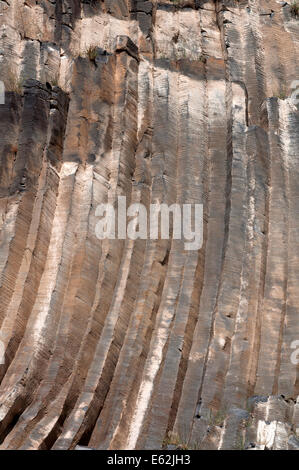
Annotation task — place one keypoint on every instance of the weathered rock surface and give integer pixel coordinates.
(122, 344)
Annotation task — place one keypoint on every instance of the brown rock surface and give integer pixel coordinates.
(122, 344)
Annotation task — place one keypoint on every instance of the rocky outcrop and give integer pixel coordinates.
(124, 344)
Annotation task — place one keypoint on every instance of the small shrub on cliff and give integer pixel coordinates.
(55, 80)
(218, 418)
(295, 9)
(177, 2)
(240, 442)
(91, 53)
(178, 442)
(13, 82)
(282, 94)
(173, 439)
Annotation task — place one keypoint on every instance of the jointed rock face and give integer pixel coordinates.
(122, 344)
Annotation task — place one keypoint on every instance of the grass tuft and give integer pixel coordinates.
(295, 9)
(91, 53)
(13, 82)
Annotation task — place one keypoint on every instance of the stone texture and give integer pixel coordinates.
(122, 344)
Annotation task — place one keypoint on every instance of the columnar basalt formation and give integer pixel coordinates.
(123, 344)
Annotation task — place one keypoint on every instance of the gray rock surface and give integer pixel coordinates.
(122, 344)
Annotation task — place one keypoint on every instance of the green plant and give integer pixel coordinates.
(175, 440)
(249, 406)
(248, 422)
(240, 442)
(91, 53)
(218, 418)
(55, 80)
(179, 442)
(282, 95)
(13, 82)
(295, 9)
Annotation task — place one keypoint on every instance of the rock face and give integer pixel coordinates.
(122, 344)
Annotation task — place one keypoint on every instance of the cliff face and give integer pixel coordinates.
(138, 344)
